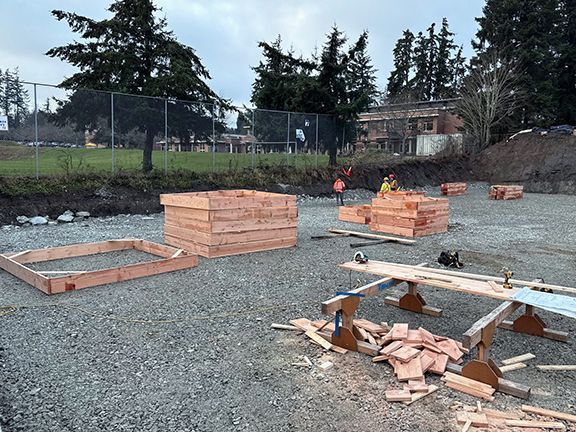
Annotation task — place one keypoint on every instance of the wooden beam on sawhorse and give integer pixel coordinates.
(413, 302)
(530, 323)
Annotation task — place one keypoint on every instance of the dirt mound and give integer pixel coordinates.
(542, 163)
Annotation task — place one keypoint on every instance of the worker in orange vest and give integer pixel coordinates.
(339, 187)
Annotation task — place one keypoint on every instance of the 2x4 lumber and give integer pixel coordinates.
(504, 386)
(227, 199)
(512, 367)
(118, 274)
(24, 273)
(518, 359)
(398, 395)
(75, 250)
(303, 324)
(155, 248)
(284, 327)
(335, 304)
(473, 336)
(417, 396)
(318, 339)
(531, 284)
(470, 391)
(477, 385)
(535, 424)
(556, 335)
(371, 236)
(557, 367)
(477, 419)
(549, 413)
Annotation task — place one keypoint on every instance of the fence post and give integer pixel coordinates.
(288, 142)
(36, 130)
(166, 137)
(316, 140)
(213, 136)
(254, 135)
(112, 123)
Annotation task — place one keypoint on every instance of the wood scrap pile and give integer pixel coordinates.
(356, 214)
(453, 189)
(409, 215)
(506, 192)
(481, 417)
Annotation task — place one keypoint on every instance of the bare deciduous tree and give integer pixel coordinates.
(489, 96)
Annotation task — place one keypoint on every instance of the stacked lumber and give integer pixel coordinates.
(356, 214)
(453, 189)
(221, 223)
(506, 192)
(469, 386)
(409, 215)
(398, 194)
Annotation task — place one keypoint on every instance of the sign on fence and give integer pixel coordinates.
(3, 123)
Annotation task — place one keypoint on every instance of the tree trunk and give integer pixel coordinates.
(148, 146)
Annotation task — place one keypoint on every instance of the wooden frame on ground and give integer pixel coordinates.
(172, 259)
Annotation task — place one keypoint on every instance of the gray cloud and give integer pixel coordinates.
(225, 32)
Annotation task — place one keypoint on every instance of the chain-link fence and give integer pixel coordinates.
(67, 132)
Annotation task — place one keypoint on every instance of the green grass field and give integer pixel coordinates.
(16, 159)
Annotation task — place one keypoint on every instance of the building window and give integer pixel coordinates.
(428, 126)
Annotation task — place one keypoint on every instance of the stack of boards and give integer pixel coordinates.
(453, 189)
(409, 214)
(506, 192)
(231, 222)
(356, 214)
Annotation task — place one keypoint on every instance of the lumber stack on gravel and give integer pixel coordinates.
(356, 214)
(229, 222)
(506, 192)
(409, 215)
(453, 189)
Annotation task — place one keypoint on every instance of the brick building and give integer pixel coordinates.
(398, 128)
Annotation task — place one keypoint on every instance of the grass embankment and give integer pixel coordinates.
(18, 160)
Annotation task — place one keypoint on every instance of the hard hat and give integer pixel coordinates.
(392, 176)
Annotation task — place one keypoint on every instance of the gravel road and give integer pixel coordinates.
(193, 350)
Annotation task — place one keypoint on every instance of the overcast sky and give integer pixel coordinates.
(225, 33)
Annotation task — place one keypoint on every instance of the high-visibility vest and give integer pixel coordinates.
(339, 186)
(385, 187)
(393, 185)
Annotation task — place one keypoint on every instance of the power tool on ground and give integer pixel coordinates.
(360, 258)
(450, 259)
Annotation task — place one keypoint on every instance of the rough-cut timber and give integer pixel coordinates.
(172, 259)
(409, 215)
(229, 222)
(506, 192)
(356, 214)
(453, 189)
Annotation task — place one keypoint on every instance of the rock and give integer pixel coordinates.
(69, 213)
(83, 214)
(78, 219)
(52, 223)
(66, 217)
(38, 220)
(22, 219)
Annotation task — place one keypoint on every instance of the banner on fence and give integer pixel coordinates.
(3, 123)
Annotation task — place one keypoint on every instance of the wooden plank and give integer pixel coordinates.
(405, 354)
(477, 419)
(391, 348)
(512, 367)
(417, 396)
(500, 414)
(303, 324)
(518, 359)
(450, 348)
(24, 273)
(473, 336)
(549, 413)
(469, 390)
(284, 327)
(426, 362)
(119, 274)
(535, 424)
(318, 339)
(557, 367)
(485, 388)
(380, 358)
(398, 395)
(369, 325)
(409, 370)
(466, 426)
(439, 365)
(372, 236)
(400, 331)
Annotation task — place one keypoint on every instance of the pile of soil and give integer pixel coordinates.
(542, 163)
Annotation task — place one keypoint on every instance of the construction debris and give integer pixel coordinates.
(506, 192)
(513, 367)
(453, 189)
(518, 359)
(549, 413)
(557, 367)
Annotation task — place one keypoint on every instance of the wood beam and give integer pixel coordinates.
(473, 336)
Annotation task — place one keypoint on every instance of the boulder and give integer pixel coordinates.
(66, 218)
(22, 219)
(38, 220)
(83, 214)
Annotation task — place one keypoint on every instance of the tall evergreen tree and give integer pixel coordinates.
(361, 75)
(425, 64)
(399, 81)
(527, 33)
(444, 71)
(132, 52)
(566, 104)
(20, 100)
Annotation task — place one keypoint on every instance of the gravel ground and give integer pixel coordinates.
(204, 357)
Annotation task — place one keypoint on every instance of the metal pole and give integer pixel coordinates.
(213, 136)
(254, 135)
(316, 140)
(166, 136)
(36, 130)
(288, 142)
(112, 122)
